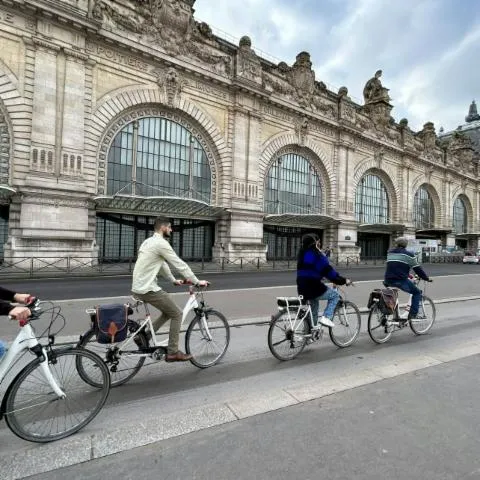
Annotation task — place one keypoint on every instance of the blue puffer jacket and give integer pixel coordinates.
(312, 267)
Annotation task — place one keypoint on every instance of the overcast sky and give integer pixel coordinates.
(428, 49)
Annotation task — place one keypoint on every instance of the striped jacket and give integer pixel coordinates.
(399, 263)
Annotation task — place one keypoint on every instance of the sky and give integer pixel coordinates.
(428, 49)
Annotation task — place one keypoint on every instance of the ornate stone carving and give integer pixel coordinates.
(172, 85)
(302, 77)
(301, 129)
(378, 156)
(460, 153)
(168, 24)
(374, 91)
(428, 138)
(428, 172)
(248, 64)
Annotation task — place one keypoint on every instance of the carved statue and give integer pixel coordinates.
(97, 10)
(248, 64)
(374, 91)
(302, 77)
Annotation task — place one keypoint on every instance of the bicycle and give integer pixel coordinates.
(382, 322)
(294, 324)
(45, 388)
(125, 363)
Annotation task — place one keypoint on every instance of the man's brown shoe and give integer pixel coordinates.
(178, 357)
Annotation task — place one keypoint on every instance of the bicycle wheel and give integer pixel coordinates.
(287, 336)
(122, 367)
(35, 413)
(378, 328)
(207, 339)
(347, 320)
(425, 318)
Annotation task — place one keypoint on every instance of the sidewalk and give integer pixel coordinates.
(167, 401)
(419, 425)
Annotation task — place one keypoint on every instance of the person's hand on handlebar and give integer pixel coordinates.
(429, 280)
(203, 283)
(24, 298)
(19, 313)
(348, 282)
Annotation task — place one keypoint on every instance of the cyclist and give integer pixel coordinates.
(399, 263)
(154, 255)
(17, 312)
(312, 267)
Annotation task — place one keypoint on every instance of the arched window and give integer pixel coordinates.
(292, 186)
(423, 209)
(371, 200)
(459, 216)
(155, 157)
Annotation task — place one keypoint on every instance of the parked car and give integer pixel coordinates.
(470, 257)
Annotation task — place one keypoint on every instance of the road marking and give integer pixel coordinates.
(230, 290)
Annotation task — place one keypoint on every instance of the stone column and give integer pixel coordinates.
(345, 241)
(245, 236)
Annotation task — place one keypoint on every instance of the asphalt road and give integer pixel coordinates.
(419, 425)
(99, 287)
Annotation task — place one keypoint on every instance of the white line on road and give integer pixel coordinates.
(92, 299)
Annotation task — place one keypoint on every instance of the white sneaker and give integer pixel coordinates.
(326, 321)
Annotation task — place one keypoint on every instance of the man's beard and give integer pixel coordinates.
(166, 235)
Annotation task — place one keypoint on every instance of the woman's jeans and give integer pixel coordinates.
(332, 296)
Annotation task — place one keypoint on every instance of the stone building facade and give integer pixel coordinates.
(113, 112)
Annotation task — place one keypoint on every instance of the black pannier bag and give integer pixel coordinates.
(111, 322)
(385, 298)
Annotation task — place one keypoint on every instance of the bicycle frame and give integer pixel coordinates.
(308, 310)
(26, 340)
(192, 304)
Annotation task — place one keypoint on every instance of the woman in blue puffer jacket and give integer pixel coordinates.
(312, 267)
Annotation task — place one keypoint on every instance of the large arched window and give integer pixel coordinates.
(459, 216)
(423, 209)
(371, 200)
(292, 186)
(156, 157)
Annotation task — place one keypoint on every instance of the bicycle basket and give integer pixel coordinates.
(111, 324)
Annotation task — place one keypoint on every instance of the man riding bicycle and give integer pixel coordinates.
(399, 263)
(153, 255)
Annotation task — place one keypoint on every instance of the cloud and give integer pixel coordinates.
(428, 62)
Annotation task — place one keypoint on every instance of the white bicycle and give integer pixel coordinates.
(49, 398)
(207, 338)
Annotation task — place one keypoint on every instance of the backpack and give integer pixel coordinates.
(385, 298)
(111, 323)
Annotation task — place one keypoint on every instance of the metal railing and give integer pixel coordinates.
(35, 267)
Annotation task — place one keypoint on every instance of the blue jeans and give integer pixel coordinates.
(409, 287)
(331, 296)
(3, 349)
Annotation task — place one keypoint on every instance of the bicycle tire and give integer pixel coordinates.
(118, 375)
(415, 324)
(15, 411)
(197, 358)
(335, 338)
(373, 315)
(289, 334)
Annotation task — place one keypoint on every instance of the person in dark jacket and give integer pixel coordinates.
(312, 267)
(399, 263)
(17, 312)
